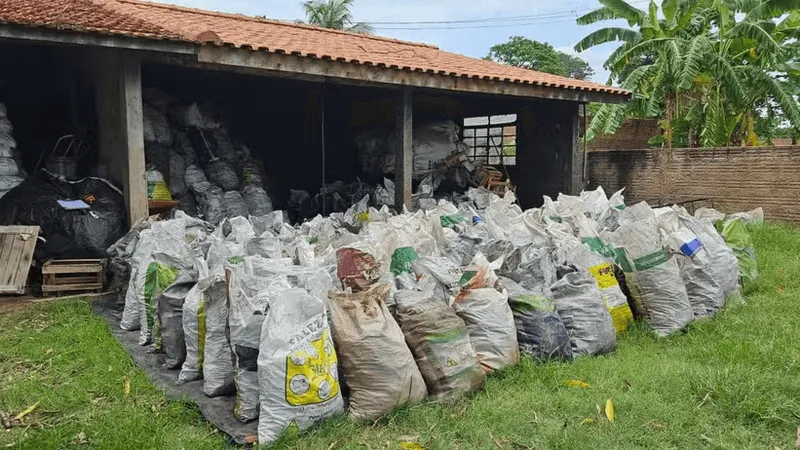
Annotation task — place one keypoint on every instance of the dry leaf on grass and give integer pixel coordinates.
(576, 383)
(797, 443)
(610, 410)
(30, 409)
(80, 439)
(126, 386)
(411, 446)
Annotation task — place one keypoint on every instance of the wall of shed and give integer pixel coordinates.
(549, 152)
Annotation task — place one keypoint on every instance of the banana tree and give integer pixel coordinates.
(710, 74)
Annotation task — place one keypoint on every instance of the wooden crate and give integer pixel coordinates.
(72, 275)
(17, 244)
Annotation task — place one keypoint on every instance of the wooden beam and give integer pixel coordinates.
(576, 179)
(404, 156)
(136, 181)
(118, 95)
(68, 37)
(331, 71)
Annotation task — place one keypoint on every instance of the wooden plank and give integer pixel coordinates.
(6, 243)
(77, 268)
(16, 254)
(72, 287)
(58, 262)
(21, 278)
(74, 280)
(14, 260)
(404, 158)
(19, 229)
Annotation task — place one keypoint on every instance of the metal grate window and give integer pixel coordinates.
(492, 139)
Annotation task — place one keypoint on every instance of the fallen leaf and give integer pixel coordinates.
(657, 426)
(80, 438)
(587, 421)
(495, 441)
(610, 410)
(30, 409)
(576, 383)
(411, 446)
(626, 385)
(797, 443)
(126, 386)
(779, 289)
(706, 399)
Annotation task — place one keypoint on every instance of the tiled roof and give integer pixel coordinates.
(161, 21)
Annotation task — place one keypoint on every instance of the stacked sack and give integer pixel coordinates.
(10, 174)
(192, 159)
(379, 311)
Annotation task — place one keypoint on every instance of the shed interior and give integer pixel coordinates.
(50, 92)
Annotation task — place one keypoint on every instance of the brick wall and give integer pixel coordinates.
(736, 179)
(635, 133)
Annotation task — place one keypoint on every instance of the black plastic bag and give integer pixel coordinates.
(67, 234)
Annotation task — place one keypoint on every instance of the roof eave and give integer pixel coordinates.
(311, 67)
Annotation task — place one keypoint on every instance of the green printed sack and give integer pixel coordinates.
(738, 238)
(159, 275)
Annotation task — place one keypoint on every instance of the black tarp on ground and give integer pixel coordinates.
(217, 411)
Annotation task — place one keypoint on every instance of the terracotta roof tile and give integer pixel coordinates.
(162, 21)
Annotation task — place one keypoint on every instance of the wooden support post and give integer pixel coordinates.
(404, 156)
(118, 87)
(575, 181)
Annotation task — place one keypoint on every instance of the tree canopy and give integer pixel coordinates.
(335, 14)
(709, 69)
(529, 54)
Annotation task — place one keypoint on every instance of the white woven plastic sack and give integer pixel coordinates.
(754, 217)
(8, 183)
(444, 271)
(602, 271)
(709, 215)
(8, 167)
(164, 236)
(249, 298)
(596, 202)
(298, 370)
(159, 274)
(5, 125)
(489, 318)
(609, 220)
(505, 221)
(217, 358)
(703, 285)
(8, 142)
(722, 259)
(194, 328)
(653, 276)
(580, 306)
(491, 326)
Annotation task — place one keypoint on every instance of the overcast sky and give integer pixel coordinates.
(550, 21)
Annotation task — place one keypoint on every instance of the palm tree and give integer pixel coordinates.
(334, 14)
(705, 67)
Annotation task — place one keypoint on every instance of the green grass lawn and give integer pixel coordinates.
(732, 382)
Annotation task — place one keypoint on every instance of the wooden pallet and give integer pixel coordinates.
(17, 244)
(73, 275)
